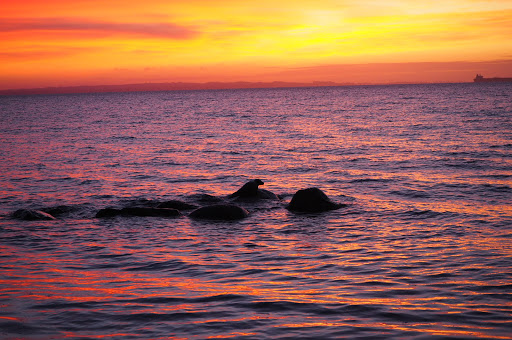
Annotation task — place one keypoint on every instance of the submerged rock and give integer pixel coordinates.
(312, 200)
(170, 204)
(206, 198)
(32, 215)
(175, 204)
(146, 211)
(59, 210)
(108, 212)
(138, 211)
(267, 195)
(226, 212)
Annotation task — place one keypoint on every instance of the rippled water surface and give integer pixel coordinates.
(423, 249)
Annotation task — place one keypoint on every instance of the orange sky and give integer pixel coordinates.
(88, 42)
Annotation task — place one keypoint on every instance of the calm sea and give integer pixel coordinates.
(422, 251)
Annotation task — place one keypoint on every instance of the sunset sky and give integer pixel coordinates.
(89, 42)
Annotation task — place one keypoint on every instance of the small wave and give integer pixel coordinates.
(89, 181)
(492, 288)
(68, 305)
(17, 327)
(60, 179)
(188, 180)
(497, 176)
(122, 138)
(141, 176)
(92, 248)
(219, 298)
(171, 265)
(177, 316)
(420, 214)
(408, 316)
(164, 162)
(111, 256)
(502, 146)
(370, 179)
(359, 309)
(152, 300)
(166, 150)
(376, 283)
(496, 188)
(411, 193)
(290, 307)
(466, 164)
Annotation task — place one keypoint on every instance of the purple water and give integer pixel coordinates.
(422, 251)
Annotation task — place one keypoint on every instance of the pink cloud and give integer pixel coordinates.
(43, 52)
(160, 30)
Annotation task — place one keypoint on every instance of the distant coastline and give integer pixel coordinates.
(178, 86)
(183, 86)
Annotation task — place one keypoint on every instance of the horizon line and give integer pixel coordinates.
(192, 86)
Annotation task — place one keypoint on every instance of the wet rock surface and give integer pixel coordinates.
(138, 211)
(31, 215)
(312, 200)
(226, 212)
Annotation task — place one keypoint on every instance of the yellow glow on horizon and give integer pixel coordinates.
(228, 40)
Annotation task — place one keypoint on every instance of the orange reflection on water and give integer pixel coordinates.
(10, 318)
(415, 327)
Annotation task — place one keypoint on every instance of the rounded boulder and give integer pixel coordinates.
(312, 200)
(222, 212)
(138, 212)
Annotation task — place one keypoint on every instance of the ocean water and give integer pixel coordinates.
(423, 249)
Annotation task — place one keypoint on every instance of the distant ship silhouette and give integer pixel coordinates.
(480, 79)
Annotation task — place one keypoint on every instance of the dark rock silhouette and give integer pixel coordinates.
(226, 212)
(267, 195)
(31, 215)
(59, 210)
(312, 200)
(249, 189)
(206, 198)
(147, 211)
(108, 212)
(138, 211)
(178, 205)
